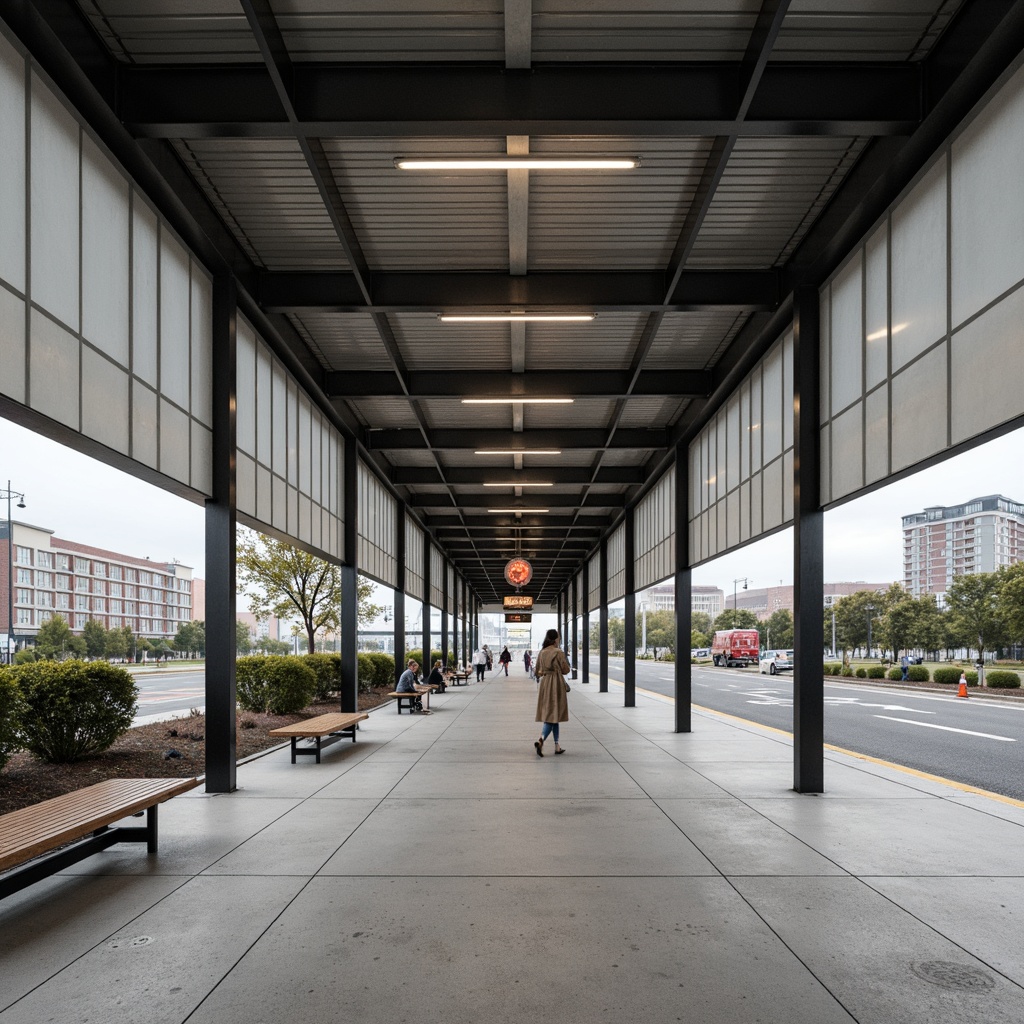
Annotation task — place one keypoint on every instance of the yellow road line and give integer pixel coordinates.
(926, 776)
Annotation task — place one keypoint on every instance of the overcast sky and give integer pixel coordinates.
(84, 500)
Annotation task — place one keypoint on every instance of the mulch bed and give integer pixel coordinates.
(142, 753)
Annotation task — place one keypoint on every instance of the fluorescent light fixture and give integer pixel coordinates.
(517, 483)
(518, 451)
(523, 399)
(515, 318)
(519, 510)
(518, 163)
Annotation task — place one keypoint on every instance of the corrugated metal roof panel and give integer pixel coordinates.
(263, 189)
(343, 340)
(691, 341)
(648, 412)
(386, 413)
(428, 344)
(605, 343)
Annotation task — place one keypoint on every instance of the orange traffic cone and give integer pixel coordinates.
(962, 691)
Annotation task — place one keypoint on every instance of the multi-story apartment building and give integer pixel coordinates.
(946, 541)
(765, 601)
(80, 582)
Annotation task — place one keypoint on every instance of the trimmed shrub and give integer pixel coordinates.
(1003, 679)
(918, 674)
(327, 669)
(847, 672)
(12, 707)
(876, 672)
(896, 673)
(74, 709)
(383, 669)
(365, 671)
(668, 656)
(832, 668)
(949, 676)
(862, 673)
(25, 656)
(274, 685)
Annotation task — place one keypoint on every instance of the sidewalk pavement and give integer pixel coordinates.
(438, 870)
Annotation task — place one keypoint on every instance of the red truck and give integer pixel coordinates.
(735, 647)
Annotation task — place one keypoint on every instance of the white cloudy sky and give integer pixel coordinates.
(81, 499)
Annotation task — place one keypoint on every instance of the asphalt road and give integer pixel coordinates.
(164, 691)
(977, 742)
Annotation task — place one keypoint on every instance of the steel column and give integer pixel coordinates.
(349, 583)
(575, 623)
(683, 594)
(221, 511)
(426, 601)
(585, 660)
(603, 629)
(444, 614)
(629, 655)
(808, 551)
(400, 589)
(456, 607)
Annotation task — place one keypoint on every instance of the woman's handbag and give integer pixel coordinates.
(568, 688)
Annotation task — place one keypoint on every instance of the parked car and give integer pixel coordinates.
(700, 652)
(773, 662)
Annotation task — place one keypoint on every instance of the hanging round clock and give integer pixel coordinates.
(518, 572)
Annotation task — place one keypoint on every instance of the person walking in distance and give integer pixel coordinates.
(504, 658)
(480, 663)
(527, 661)
(905, 666)
(552, 704)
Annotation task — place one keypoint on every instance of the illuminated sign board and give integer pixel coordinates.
(520, 602)
(518, 617)
(518, 572)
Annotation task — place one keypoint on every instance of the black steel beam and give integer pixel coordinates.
(488, 473)
(568, 382)
(475, 521)
(469, 502)
(407, 438)
(425, 292)
(463, 100)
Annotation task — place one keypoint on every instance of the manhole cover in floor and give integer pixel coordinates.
(954, 976)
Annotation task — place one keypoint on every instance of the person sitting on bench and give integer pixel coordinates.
(437, 677)
(407, 684)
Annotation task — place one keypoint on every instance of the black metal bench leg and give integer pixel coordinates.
(152, 835)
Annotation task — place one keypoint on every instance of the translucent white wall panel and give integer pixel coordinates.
(145, 431)
(376, 529)
(919, 416)
(876, 435)
(55, 364)
(436, 576)
(174, 441)
(729, 499)
(980, 398)
(12, 167)
(654, 533)
(202, 345)
(106, 282)
(145, 289)
(847, 332)
(848, 450)
(987, 204)
(594, 580)
(300, 494)
(413, 560)
(175, 302)
(919, 268)
(54, 189)
(245, 481)
(826, 464)
(202, 458)
(12, 345)
(105, 388)
(876, 305)
(825, 365)
(617, 563)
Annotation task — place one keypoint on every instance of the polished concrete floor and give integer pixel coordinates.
(438, 870)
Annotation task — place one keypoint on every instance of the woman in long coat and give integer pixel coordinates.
(552, 705)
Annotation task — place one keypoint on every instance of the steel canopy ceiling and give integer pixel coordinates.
(771, 135)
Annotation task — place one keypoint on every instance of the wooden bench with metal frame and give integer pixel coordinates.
(409, 700)
(325, 729)
(29, 832)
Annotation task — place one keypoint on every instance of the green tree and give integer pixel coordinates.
(661, 631)
(733, 618)
(851, 614)
(1011, 601)
(95, 636)
(54, 638)
(191, 638)
(897, 625)
(116, 643)
(701, 623)
(243, 642)
(974, 605)
(929, 623)
(777, 630)
(284, 581)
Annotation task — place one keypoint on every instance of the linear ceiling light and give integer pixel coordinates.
(518, 451)
(518, 163)
(518, 483)
(515, 318)
(519, 510)
(522, 399)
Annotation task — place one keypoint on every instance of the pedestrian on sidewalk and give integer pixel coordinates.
(480, 663)
(552, 704)
(527, 661)
(505, 658)
(905, 666)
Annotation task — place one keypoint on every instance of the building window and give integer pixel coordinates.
(23, 616)
(63, 600)
(81, 585)
(22, 555)
(115, 607)
(131, 575)
(82, 602)
(80, 621)
(115, 572)
(44, 559)
(63, 582)
(99, 568)
(44, 617)
(23, 596)
(45, 599)
(99, 587)
(82, 565)
(63, 562)
(115, 589)
(99, 604)
(44, 579)
(25, 576)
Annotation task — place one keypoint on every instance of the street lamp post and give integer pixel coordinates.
(742, 579)
(8, 494)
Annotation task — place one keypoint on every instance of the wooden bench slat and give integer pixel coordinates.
(320, 726)
(30, 831)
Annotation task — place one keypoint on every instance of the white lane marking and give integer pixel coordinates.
(949, 728)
